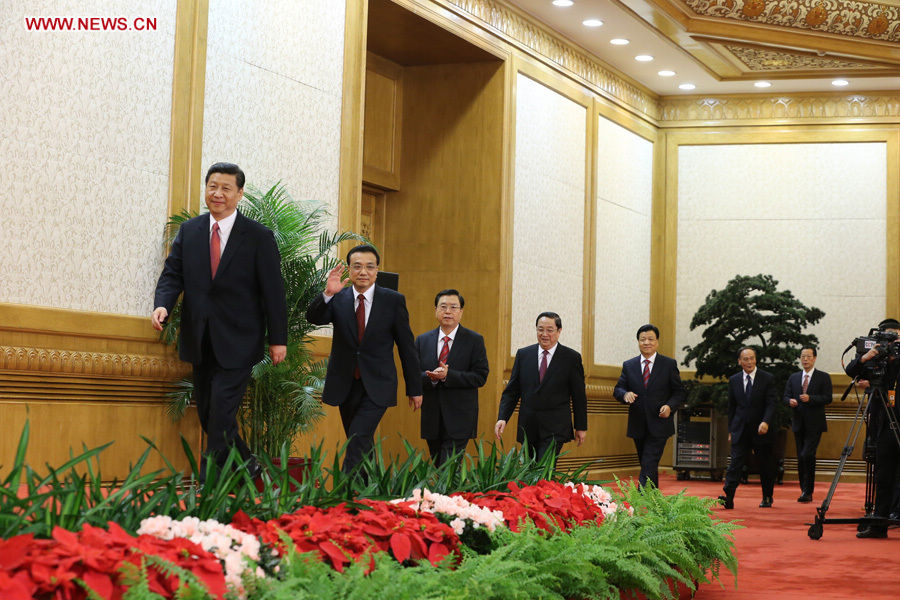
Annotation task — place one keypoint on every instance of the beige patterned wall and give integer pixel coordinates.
(811, 215)
(273, 93)
(548, 218)
(622, 263)
(85, 143)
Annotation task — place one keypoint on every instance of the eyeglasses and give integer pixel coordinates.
(450, 307)
(357, 268)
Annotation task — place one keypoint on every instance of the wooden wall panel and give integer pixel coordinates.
(383, 122)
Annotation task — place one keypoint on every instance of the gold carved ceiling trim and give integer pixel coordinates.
(73, 362)
(529, 33)
(874, 106)
(762, 60)
(867, 20)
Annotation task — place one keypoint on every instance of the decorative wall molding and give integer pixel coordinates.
(608, 462)
(883, 106)
(528, 32)
(50, 360)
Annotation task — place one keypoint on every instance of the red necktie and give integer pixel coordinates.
(445, 350)
(805, 383)
(360, 326)
(646, 373)
(215, 251)
(543, 370)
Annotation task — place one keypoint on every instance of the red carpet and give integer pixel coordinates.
(776, 557)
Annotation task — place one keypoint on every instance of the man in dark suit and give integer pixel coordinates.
(454, 365)
(650, 385)
(751, 407)
(368, 320)
(807, 392)
(549, 379)
(229, 269)
(879, 370)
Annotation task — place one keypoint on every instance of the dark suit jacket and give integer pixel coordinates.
(455, 399)
(548, 406)
(388, 323)
(809, 416)
(664, 387)
(743, 412)
(235, 307)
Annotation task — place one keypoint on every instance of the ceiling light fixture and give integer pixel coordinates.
(643, 58)
(666, 73)
(840, 82)
(592, 22)
(762, 84)
(563, 3)
(686, 86)
(619, 42)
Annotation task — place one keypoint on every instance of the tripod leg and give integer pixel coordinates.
(816, 529)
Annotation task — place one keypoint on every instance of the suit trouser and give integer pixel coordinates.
(650, 450)
(887, 460)
(444, 446)
(543, 446)
(807, 443)
(219, 392)
(360, 417)
(762, 447)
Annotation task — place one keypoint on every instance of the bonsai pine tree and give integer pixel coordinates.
(749, 311)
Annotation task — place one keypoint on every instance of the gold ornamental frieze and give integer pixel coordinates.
(49, 360)
(871, 106)
(763, 59)
(867, 20)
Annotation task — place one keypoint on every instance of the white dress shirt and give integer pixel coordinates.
(549, 355)
(225, 227)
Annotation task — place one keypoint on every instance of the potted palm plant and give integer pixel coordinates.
(282, 401)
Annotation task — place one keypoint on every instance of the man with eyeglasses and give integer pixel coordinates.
(549, 380)
(454, 365)
(368, 320)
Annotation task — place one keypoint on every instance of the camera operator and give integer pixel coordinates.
(880, 368)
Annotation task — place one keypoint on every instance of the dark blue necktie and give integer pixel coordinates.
(749, 387)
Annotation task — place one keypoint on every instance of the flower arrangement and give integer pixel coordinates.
(601, 497)
(238, 551)
(341, 535)
(33, 568)
(548, 504)
(471, 523)
(213, 559)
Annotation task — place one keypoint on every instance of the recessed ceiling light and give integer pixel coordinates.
(563, 3)
(619, 42)
(643, 58)
(840, 82)
(687, 86)
(592, 22)
(762, 84)
(666, 73)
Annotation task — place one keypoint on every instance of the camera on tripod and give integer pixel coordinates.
(887, 344)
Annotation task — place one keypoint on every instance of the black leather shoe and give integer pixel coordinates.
(805, 498)
(766, 502)
(727, 502)
(894, 516)
(872, 533)
(254, 468)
